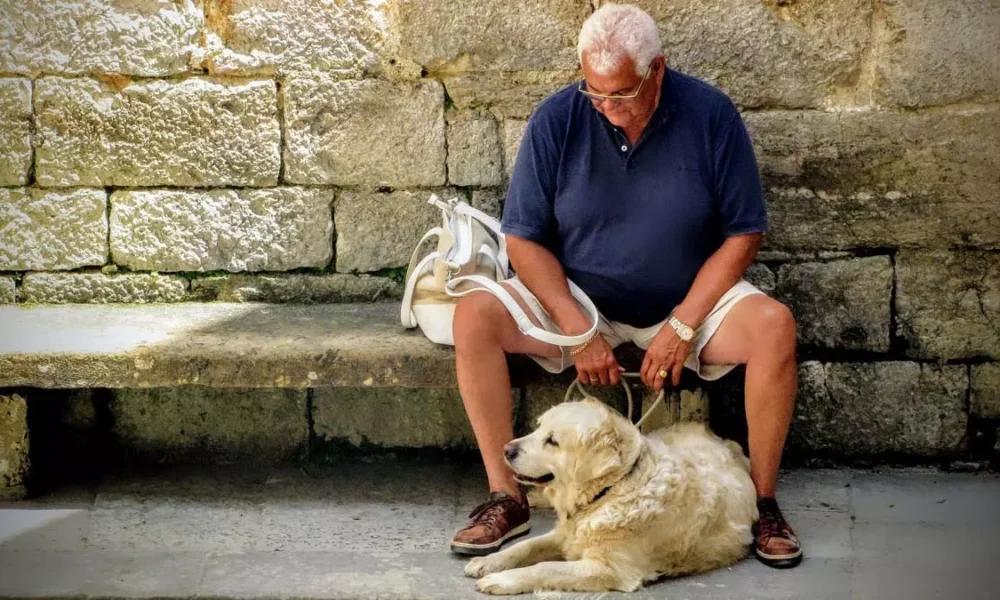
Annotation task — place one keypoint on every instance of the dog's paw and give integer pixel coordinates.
(484, 565)
(500, 584)
(476, 567)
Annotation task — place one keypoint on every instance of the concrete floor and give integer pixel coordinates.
(380, 530)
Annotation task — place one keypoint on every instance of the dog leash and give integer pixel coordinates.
(628, 394)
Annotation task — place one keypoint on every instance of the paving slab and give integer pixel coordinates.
(379, 528)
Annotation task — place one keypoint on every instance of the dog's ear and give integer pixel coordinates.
(608, 459)
(604, 453)
(624, 440)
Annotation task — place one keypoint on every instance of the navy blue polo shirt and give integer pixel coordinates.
(632, 225)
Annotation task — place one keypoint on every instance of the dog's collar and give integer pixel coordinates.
(604, 492)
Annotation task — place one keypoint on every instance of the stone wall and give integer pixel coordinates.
(251, 150)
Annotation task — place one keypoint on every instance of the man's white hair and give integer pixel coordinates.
(617, 31)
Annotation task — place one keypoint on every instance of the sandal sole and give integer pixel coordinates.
(484, 549)
(779, 562)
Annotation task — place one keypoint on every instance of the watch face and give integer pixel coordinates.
(683, 331)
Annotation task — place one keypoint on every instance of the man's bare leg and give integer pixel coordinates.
(760, 333)
(484, 332)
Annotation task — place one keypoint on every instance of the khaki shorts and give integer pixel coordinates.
(618, 333)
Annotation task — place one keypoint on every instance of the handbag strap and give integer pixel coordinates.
(413, 272)
(454, 208)
(524, 323)
(458, 207)
(494, 226)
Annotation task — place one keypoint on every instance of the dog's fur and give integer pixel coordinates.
(677, 502)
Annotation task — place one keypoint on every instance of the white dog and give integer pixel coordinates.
(630, 508)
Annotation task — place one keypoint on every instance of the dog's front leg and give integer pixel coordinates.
(587, 575)
(521, 554)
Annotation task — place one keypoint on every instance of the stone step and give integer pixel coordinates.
(222, 382)
(380, 529)
(216, 345)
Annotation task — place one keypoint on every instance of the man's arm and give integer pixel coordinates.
(541, 272)
(538, 268)
(719, 273)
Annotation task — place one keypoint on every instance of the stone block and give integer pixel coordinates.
(844, 304)
(150, 39)
(761, 276)
(303, 289)
(364, 132)
(489, 200)
(984, 401)
(806, 51)
(454, 36)
(193, 132)
(379, 231)
(935, 53)
(506, 94)
(678, 406)
(52, 230)
(513, 133)
(813, 220)
(913, 175)
(97, 288)
(15, 131)
(948, 303)
(197, 423)
(768, 255)
(393, 417)
(292, 37)
(8, 290)
(474, 153)
(13, 446)
(237, 230)
(883, 409)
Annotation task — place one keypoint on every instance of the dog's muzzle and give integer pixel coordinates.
(533, 480)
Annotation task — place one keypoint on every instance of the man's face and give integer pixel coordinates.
(623, 81)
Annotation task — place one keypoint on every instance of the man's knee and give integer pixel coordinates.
(775, 326)
(477, 319)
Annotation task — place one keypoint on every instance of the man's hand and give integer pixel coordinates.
(667, 352)
(597, 364)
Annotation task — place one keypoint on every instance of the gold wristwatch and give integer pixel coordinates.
(683, 331)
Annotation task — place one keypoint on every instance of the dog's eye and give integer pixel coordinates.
(551, 441)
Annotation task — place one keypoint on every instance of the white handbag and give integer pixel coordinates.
(471, 256)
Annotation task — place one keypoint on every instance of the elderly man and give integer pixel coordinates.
(640, 185)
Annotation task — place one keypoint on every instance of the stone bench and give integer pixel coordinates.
(216, 345)
(219, 381)
(181, 382)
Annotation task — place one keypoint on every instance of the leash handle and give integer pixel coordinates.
(628, 394)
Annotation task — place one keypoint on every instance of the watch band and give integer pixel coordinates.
(685, 332)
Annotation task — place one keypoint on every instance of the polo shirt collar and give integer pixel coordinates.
(668, 102)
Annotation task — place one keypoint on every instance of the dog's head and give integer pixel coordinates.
(576, 446)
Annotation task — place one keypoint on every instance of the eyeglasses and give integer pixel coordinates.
(616, 97)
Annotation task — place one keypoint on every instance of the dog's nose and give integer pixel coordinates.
(510, 451)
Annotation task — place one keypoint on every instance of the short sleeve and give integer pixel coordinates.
(738, 190)
(528, 209)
